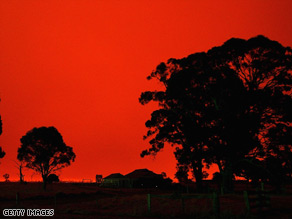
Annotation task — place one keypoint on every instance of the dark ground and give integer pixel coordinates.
(77, 200)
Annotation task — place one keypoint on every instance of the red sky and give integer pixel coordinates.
(80, 65)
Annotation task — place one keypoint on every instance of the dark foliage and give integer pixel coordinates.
(224, 107)
(6, 177)
(44, 151)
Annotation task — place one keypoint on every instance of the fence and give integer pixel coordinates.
(214, 204)
(259, 201)
(213, 197)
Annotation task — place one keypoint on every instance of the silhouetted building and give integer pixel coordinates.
(144, 178)
(116, 180)
(141, 178)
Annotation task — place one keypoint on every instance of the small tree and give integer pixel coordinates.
(20, 166)
(6, 177)
(44, 151)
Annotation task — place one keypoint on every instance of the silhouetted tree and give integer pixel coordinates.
(2, 153)
(6, 177)
(253, 170)
(180, 121)
(182, 173)
(20, 166)
(264, 67)
(44, 151)
(217, 107)
(278, 146)
(190, 109)
(53, 178)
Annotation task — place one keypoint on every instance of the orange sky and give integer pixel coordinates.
(80, 65)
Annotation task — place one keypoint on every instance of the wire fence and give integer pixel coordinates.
(199, 205)
(216, 205)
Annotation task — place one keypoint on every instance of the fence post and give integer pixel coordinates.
(17, 198)
(183, 204)
(262, 186)
(55, 201)
(149, 202)
(260, 200)
(245, 196)
(216, 205)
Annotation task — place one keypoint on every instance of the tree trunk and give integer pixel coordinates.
(198, 173)
(21, 175)
(227, 178)
(44, 182)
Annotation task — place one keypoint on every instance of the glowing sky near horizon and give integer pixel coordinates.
(81, 65)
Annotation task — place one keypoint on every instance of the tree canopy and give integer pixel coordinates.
(44, 151)
(226, 106)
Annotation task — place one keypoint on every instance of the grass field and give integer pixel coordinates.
(77, 200)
